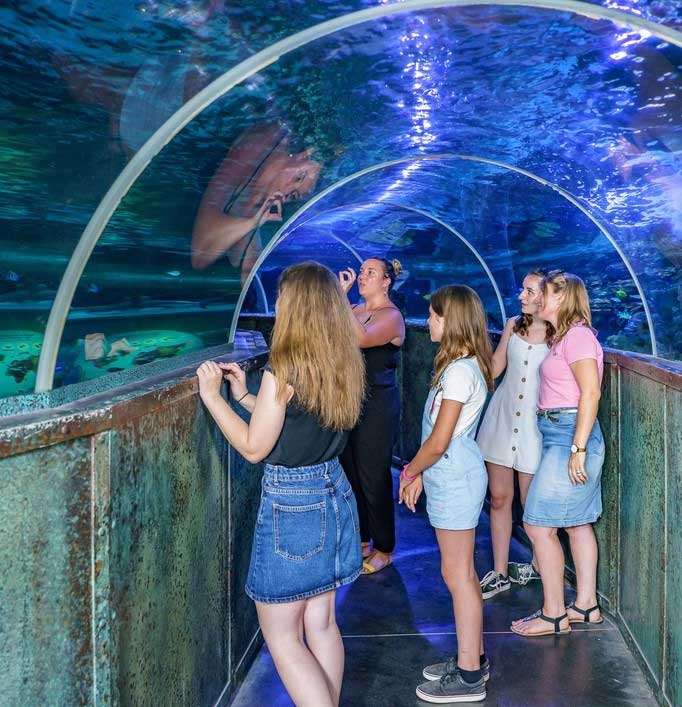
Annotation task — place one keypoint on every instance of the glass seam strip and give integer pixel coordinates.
(263, 294)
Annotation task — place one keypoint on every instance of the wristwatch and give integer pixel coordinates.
(577, 450)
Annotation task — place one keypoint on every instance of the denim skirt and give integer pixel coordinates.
(553, 501)
(307, 537)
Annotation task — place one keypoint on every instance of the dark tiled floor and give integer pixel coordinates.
(400, 619)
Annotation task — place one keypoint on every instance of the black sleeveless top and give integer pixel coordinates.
(380, 364)
(303, 441)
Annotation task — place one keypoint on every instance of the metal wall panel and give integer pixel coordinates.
(642, 520)
(673, 566)
(607, 527)
(45, 576)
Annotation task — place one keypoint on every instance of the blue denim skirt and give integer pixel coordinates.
(307, 537)
(553, 501)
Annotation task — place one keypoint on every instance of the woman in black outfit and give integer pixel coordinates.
(380, 329)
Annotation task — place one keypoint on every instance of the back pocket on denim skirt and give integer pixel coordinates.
(300, 530)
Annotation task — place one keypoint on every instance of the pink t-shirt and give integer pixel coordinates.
(558, 387)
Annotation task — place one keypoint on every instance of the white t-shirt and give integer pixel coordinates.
(463, 381)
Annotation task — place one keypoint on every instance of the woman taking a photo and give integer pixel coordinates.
(450, 469)
(566, 490)
(380, 332)
(508, 437)
(306, 541)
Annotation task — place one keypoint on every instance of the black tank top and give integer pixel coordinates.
(303, 441)
(381, 363)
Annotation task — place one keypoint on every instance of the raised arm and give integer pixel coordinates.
(379, 328)
(500, 355)
(215, 231)
(236, 377)
(255, 440)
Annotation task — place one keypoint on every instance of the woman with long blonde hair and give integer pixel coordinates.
(449, 467)
(306, 542)
(566, 489)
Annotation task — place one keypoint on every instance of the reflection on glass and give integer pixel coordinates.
(138, 89)
(258, 175)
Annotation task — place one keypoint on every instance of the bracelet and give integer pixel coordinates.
(243, 396)
(406, 476)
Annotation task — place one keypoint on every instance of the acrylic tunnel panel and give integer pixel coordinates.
(431, 255)
(515, 223)
(584, 103)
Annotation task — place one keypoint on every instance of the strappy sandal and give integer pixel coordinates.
(556, 629)
(585, 615)
(369, 568)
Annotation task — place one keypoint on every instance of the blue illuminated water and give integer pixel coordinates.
(592, 109)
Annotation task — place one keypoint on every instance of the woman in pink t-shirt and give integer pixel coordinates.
(566, 490)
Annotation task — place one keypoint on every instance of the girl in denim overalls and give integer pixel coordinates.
(450, 468)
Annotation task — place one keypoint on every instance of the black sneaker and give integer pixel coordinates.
(437, 670)
(522, 572)
(494, 583)
(451, 688)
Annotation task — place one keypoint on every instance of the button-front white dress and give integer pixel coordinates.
(509, 434)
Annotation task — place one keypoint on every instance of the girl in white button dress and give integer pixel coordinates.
(508, 437)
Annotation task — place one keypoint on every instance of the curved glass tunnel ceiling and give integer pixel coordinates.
(343, 237)
(592, 107)
(514, 223)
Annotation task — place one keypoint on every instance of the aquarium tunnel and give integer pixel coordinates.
(163, 161)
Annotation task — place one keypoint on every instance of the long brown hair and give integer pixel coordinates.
(575, 305)
(314, 347)
(523, 321)
(465, 330)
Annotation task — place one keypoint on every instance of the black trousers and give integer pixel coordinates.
(367, 463)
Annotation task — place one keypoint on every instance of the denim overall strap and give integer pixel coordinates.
(427, 425)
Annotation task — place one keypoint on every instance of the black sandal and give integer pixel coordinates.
(556, 629)
(585, 615)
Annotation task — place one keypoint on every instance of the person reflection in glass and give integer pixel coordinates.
(139, 98)
(258, 175)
